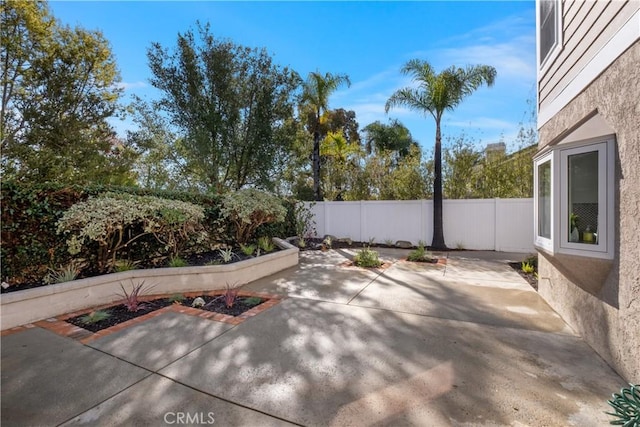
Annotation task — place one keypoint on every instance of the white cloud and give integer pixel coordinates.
(512, 59)
(511, 26)
(483, 123)
(132, 85)
(508, 45)
(364, 85)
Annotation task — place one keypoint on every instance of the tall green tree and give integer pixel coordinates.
(393, 137)
(229, 105)
(341, 120)
(341, 164)
(384, 176)
(506, 175)
(460, 169)
(315, 98)
(59, 86)
(436, 93)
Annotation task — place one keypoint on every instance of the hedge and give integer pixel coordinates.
(30, 243)
(30, 213)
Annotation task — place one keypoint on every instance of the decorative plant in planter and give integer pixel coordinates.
(248, 250)
(64, 273)
(131, 300)
(266, 244)
(575, 234)
(626, 405)
(368, 258)
(421, 255)
(95, 317)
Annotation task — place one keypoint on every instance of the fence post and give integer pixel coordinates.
(363, 218)
(496, 201)
(326, 218)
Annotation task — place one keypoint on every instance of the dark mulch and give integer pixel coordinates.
(217, 304)
(120, 313)
(529, 277)
(315, 243)
(200, 259)
(214, 258)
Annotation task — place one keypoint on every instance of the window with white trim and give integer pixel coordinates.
(543, 202)
(574, 191)
(549, 30)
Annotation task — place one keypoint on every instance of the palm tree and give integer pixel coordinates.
(315, 95)
(436, 93)
(393, 137)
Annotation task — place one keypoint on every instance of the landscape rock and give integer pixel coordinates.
(403, 244)
(197, 303)
(346, 240)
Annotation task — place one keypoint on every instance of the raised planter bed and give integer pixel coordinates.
(30, 305)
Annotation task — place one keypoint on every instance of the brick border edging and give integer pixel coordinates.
(60, 326)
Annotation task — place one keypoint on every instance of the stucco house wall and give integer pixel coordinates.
(599, 298)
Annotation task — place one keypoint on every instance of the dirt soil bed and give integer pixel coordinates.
(529, 277)
(119, 313)
(212, 257)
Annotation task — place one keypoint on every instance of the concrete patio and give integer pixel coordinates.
(467, 343)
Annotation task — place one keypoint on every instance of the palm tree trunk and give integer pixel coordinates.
(438, 229)
(316, 166)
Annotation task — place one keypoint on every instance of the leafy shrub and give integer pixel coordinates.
(114, 221)
(528, 268)
(95, 317)
(252, 301)
(248, 250)
(304, 220)
(64, 274)
(248, 209)
(266, 244)
(532, 260)
(177, 262)
(29, 224)
(226, 254)
(176, 298)
(284, 228)
(367, 258)
(125, 265)
(419, 254)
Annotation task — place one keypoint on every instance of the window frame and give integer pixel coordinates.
(544, 63)
(541, 241)
(559, 241)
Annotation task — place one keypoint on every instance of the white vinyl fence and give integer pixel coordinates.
(482, 224)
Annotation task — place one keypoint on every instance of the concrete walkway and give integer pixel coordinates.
(468, 343)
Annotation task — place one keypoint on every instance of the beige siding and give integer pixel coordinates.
(586, 27)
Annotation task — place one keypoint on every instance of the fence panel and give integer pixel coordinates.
(469, 223)
(514, 225)
(481, 224)
(343, 219)
(394, 220)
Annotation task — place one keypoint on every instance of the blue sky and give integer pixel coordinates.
(368, 41)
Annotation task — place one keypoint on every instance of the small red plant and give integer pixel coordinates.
(230, 295)
(132, 299)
